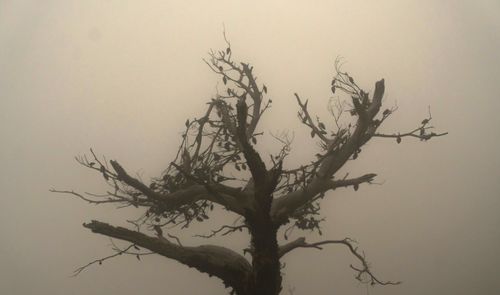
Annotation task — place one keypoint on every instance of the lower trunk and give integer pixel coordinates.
(266, 268)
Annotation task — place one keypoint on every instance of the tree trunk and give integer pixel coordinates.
(266, 268)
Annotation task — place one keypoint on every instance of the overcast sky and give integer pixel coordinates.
(122, 77)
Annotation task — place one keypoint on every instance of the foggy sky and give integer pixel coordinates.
(122, 77)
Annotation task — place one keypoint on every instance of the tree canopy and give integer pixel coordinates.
(218, 164)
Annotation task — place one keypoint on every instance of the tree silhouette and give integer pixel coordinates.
(218, 165)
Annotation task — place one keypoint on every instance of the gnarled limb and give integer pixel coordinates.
(224, 195)
(339, 150)
(135, 192)
(229, 266)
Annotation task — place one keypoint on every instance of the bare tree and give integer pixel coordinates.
(217, 164)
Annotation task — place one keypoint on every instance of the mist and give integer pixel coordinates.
(121, 77)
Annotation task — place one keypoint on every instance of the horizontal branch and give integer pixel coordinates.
(364, 274)
(217, 192)
(232, 268)
(231, 198)
(198, 192)
(353, 181)
(425, 136)
(89, 198)
(420, 132)
(224, 230)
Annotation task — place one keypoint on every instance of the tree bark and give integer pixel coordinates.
(265, 263)
(266, 267)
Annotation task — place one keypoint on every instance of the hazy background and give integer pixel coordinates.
(122, 77)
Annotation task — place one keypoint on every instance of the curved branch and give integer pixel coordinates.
(232, 268)
(420, 132)
(364, 270)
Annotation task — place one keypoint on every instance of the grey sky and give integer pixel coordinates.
(122, 77)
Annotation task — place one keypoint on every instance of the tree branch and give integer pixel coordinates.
(307, 120)
(232, 268)
(317, 187)
(90, 198)
(226, 196)
(364, 274)
(420, 132)
(254, 161)
(224, 230)
(338, 152)
(123, 176)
